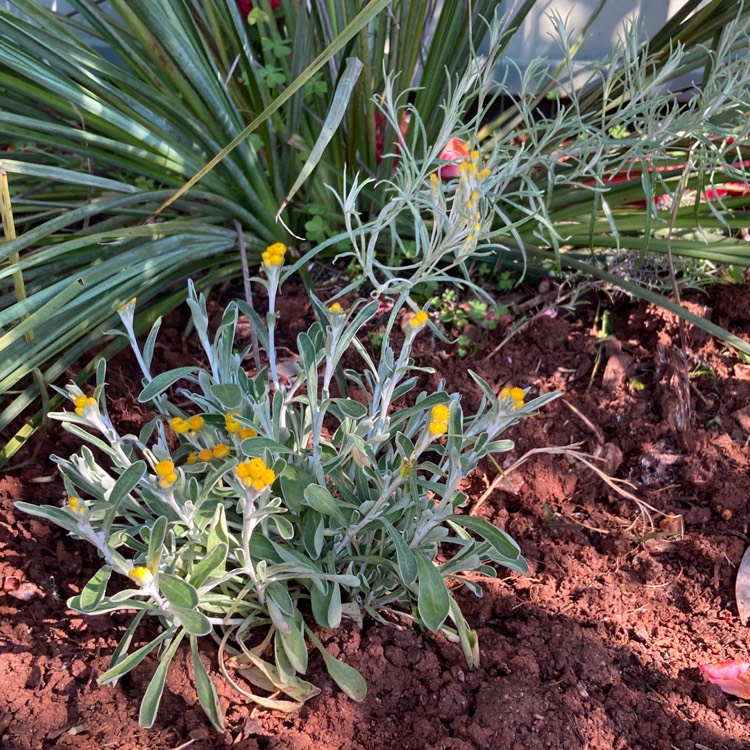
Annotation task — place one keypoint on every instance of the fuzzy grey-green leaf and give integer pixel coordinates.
(178, 592)
(433, 599)
(93, 592)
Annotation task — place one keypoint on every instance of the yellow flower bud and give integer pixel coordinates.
(192, 458)
(231, 423)
(196, 422)
(142, 576)
(206, 454)
(256, 466)
(77, 507)
(516, 395)
(268, 476)
(419, 319)
(254, 473)
(273, 255)
(336, 308)
(247, 432)
(163, 468)
(83, 402)
(166, 473)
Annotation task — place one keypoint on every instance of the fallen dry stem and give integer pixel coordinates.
(647, 511)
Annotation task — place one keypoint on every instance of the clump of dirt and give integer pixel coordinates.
(597, 647)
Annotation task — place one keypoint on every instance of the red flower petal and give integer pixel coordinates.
(456, 151)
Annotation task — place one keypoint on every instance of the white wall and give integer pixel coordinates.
(536, 37)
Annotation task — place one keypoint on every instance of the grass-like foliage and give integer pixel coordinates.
(99, 142)
(259, 114)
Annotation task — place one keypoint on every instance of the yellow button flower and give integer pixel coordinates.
(82, 402)
(166, 473)
(247, 432)
(256, 466)
(419, 319)
(273, 255)
(221, 450)
(206, 454)
(192, 458)
(254, 473)
(142, 576)
(231, 423)
(192, 425)
(440, 413)
(196, 422)
(438, 427)
(179, 425)
(516, 395)
(336, 308)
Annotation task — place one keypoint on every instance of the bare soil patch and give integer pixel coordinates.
(598, 647)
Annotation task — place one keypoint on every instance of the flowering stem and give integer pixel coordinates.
(273, 286)
(249, 523)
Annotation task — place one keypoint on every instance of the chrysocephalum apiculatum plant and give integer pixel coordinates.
(256, 508)
(236, 514)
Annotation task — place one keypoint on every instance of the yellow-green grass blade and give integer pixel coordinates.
(9, 233)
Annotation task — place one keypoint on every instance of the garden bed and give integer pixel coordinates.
(597, 647)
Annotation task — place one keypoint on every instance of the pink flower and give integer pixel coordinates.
(727, 190)
(455, 151)
(731, 676)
